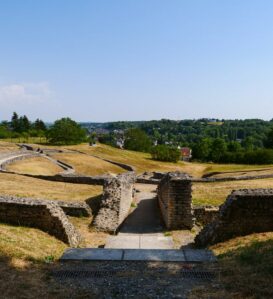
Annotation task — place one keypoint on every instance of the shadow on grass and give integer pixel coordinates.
(249, 270)
(32, 279)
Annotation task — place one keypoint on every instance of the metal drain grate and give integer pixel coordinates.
(81, 274)
(198, 274)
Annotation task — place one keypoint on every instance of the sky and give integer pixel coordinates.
(109, 60)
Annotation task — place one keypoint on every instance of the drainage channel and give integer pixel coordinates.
(87, 274)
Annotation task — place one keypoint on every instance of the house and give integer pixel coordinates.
(186, 154)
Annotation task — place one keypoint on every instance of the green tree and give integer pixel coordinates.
(165, 153)
(137, 140)
(39, 125)
(65, 131)
(218, 149)
(269, 139)
(234, 147)
(15, 122)
(201, 149)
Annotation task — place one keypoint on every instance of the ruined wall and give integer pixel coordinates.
(174, 197)
(153, 178)
(45, 215)
(116, 202)
(15, 156)
(71, 178)
(205, 214)
(244, 212)
(75, 209)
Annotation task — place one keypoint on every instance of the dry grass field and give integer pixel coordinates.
(18, 185)
(7, 146)
(88, 165)
(143, 162)
(216, 193)
(34, 166)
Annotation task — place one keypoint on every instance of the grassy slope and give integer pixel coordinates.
(35, 166)
(18, 185)
(87, 165)
(23, 252)
(143, 162)
(246, 269)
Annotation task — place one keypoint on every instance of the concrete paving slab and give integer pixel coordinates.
(100, 254)
(92, 254)
(154, 255)
(199, 255)
(123, 242)
(156, 242)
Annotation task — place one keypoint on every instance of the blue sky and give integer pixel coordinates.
(105, 60)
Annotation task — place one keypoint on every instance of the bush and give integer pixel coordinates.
(261, 156)
(165, 153)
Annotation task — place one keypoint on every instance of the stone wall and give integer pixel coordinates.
(244, 212)
(42, 214)
(174, 197)
(116, 202)
(72, 178)
(153, 178)
(75, 209)
(16, 156)
(205, 214)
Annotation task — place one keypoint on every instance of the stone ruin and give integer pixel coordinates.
(42, 214)
(174, 197)
(116, 202)
(244, 212)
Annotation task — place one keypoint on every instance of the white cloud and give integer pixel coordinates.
(25, 93)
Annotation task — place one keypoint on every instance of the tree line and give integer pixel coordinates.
(64, 131)
(219, 141)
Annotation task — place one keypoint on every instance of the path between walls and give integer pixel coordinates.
(143, 228)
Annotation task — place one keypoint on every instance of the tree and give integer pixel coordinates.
(137, 140)
(65, 131)
(165, 153)
(201, 149)
(15, 122)
(24, 124)
(39, 125)
(248, 143)
(234, 147)
(218, 148)
(269, 139)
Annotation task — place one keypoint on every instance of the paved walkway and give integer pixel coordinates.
(143, 228)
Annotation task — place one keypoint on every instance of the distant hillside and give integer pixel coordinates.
(186, 132)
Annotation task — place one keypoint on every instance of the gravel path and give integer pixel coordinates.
(124, 280)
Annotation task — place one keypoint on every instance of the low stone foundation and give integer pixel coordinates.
(42, 214)
(244, 212)
(116, 202)
(175, 201)
(75, 209)
(72, 178)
